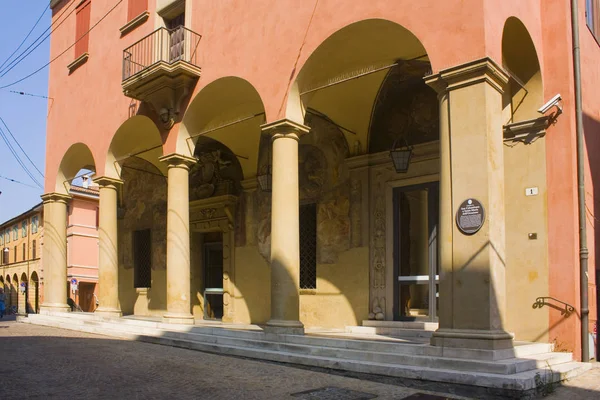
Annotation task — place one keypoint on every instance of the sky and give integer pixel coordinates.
(25, 115)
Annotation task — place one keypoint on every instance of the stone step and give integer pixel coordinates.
(427, 326)
(516, 375)
(395, 332)
(324, 348)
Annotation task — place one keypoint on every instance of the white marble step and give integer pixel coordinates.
(318, 347)
(427, 326)
(395, 332)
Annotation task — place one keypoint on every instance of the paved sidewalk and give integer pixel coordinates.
(586, 386)
(39, 362)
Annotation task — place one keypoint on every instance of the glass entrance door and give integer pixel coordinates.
(416, 215)
(213, 280)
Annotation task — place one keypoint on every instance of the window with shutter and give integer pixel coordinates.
(24, 252)
(33, 249)
(142, 258)
(82, 25)
(308, 246)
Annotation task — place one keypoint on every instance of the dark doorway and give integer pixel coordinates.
(213, 276)
(416, 267)
(86, 296)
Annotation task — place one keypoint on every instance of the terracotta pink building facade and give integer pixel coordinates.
(172, 104)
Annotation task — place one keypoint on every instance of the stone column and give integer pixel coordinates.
(108, 254)
(55, 253)
(178, 240)
(472, 287)
(285, 228)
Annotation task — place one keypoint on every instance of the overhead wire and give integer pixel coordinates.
(20, 147)
(19, 182)
(64, 51)
(24, 54)
(14, 153)
(26, 37)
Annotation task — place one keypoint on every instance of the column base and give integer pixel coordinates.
(173, 318)
(108, 312)
(284, 327)
(49, 308)
(472, 339)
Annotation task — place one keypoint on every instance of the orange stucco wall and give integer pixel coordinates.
(267, 43)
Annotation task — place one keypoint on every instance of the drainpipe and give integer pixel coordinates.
(583, 250)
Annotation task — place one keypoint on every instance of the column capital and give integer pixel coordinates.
(471, 73)
(105, 181)
(55, 197)
(175, 160)
(284, 128)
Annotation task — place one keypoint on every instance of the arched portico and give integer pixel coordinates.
(76, 158)
(133, 153)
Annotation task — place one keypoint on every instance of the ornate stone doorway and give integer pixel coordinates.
(213, 218)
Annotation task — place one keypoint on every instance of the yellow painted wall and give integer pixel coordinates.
(342, 294)
(252, 302)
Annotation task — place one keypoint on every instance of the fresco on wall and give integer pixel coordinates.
(143, 206)
(324, 180)
(405, 109)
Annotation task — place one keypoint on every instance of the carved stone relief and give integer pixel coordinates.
(355, 211)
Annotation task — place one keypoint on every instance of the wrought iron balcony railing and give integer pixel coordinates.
(166, 46)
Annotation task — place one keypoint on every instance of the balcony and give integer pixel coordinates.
(161, 67)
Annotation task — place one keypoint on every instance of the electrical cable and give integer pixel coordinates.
(67, 49)
(18, 144)
(23, 56)
(26, 37)
(19, 182)
(14, 153)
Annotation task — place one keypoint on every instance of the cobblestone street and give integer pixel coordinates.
(40, 362)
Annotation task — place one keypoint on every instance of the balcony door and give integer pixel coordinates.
(176, 37)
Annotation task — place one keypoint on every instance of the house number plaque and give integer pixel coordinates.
(470, 216)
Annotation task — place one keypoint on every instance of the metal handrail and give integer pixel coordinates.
(162, 45)
(541, 302)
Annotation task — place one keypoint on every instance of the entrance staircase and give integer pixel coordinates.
(385, 349)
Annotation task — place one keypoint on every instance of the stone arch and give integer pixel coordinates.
(137, 137)
(228, 110)
(76, 158)
(372, 45)
(520, 59)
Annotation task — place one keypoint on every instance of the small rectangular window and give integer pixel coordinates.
(24, 228)
(1, 238)
(5, 255)
(15, 252)
(82, 25)
(34, 224)
(15, 232)
(308, 246)
(142, 258)
(7, 236)
(33, 249)
(24, 251)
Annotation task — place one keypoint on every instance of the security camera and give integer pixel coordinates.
(553, 102)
